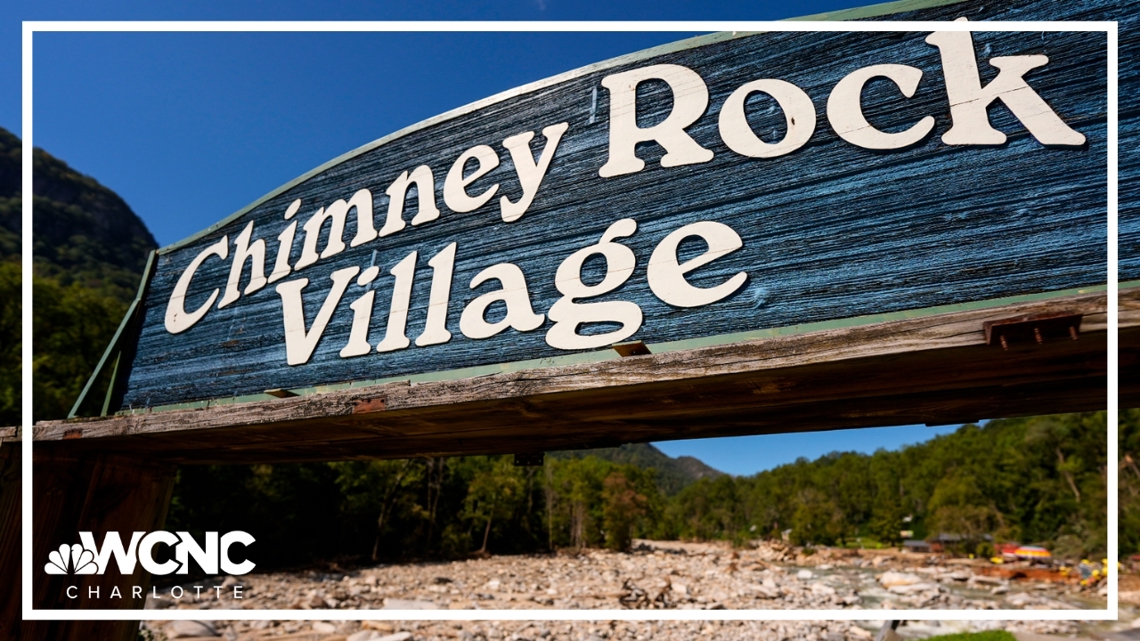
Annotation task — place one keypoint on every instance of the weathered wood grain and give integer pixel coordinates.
(830, 231)
(10, 547)
(933, 369)
(101, 493)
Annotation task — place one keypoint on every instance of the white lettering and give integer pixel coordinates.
(206, 557)
(358, 344)
(243, 251)
(799, 114)
(455, 185)
(395, 337)
(398, 192)
(520, 315)
(435, 329)
(113, 545)
(228, 566)
(178, 319)
(568, 315)
(281, 267)
(146, 552)
(690, 98)
(337, 213)
(530, 174)
(969, 100)
(667, 278)
(299, 342)
(845, 108)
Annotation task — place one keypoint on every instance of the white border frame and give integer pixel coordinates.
(29, 564)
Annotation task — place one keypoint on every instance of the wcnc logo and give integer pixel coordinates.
(87, 558)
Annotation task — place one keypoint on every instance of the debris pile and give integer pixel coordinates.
(654, 575)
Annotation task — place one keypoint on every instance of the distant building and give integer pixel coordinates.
(939, 543)
(916, 545)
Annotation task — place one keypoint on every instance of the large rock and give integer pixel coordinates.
(372, 635)
(820, 589)
(409, 604)
(892, 579)
(912, 588)
(185, 629)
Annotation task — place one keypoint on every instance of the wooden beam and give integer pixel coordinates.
(74, 491)
(934, 369)
(10, 543)
(107, 492)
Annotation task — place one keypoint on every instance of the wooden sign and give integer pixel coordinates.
(706, 190)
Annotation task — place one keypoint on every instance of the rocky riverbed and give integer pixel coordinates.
(655, 575)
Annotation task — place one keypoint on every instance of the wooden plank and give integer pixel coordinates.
(829, 231)
(98, 493)
(928, 370)
(10, 544)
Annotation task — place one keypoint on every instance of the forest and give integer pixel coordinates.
(1039, 480)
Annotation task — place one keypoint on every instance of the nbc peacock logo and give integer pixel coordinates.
(71, 559)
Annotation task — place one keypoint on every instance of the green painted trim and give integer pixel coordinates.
(693, 343)
(111, 385)
(871, 11)
(116, 340)
(655, 348)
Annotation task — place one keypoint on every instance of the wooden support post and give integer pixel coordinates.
(93, 492)
(9, 537)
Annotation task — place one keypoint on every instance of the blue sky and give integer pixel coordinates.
(189, 128)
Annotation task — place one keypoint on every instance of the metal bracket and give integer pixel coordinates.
(636, 348)
(530, 459)
(1036, 328)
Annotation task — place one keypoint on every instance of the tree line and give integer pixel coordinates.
(1038, 480)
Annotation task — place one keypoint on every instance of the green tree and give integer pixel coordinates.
(10, 342)
(816, 520)
(624, 505)
(494, 493)
(377, 487)
(1128, 432)
(71, 327)
(959, 507)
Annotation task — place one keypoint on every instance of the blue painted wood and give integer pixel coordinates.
(830, 231)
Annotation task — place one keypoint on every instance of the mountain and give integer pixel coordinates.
(9, 196)
(673, 474)
(89, 251)
(696, 469)
(83, 232)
